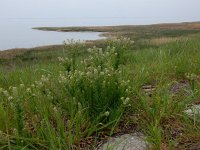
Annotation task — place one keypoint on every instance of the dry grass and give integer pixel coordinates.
(163, 40)
(9, 54)
(181, 26)
(12, 53)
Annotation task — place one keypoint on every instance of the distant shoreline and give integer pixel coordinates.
(116, 31)
(136, 32)
(194, 25)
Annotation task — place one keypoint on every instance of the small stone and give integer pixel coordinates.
(148, 89)
(193, 111)
(181, 86)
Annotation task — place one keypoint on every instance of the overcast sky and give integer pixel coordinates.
(162, 10)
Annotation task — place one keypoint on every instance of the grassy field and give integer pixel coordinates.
(74, 96)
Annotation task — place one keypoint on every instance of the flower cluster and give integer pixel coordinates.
(98, 84)
(191, 76)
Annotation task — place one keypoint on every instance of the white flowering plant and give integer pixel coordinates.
(98, 85)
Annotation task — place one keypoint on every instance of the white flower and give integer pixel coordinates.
(55, 109)
(122, 98)
(10, 98)
(28, 90)
(15, 92)
(102, 73)
(100, 51)
(95, 71)
(21, 85)
(107, 53)
(132, 42)
(126, 101)
(6, 93)
(127, 90)
(89, 50)
(107, 113)
(33, 95)
(88, 74)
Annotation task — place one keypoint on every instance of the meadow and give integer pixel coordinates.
(76, 95)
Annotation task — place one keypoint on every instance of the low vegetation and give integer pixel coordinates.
(77, 96)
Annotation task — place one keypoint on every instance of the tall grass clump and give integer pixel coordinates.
(73, 49)
(121, 46)
(98, 84)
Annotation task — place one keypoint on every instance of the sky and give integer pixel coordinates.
(152, 10)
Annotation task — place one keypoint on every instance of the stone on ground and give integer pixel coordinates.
(125, 142)
(193, 111)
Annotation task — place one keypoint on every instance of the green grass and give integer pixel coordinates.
(50, 104)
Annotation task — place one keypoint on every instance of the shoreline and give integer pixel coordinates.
(138, 33)
(193, 25)
(14, 52)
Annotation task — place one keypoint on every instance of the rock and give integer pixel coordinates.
(193, 111)
(148, 89)
(181, 86)
(134, 141)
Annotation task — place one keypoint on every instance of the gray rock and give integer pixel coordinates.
(126, 142)
(183, 86)
(193, 111)
(148, 89)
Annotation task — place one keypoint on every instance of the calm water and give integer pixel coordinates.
(18, 33)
